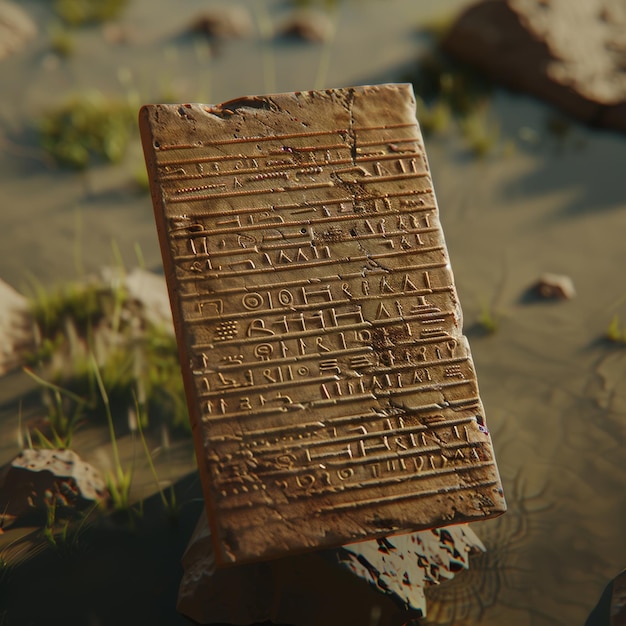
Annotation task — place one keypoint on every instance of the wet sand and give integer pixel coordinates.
(551, 385)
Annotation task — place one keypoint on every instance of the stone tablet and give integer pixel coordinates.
(332, 394)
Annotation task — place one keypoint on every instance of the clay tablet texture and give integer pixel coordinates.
(332, 394)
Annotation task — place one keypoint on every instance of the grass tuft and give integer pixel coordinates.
(481, 135)
(76, 323)
(434, 119)
(615, 333)
(62, 41)
(79, 12)
(87, 129)
(119, 480)
(65, 414)
(488, 320)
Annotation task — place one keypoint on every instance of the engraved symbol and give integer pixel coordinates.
(306, 481)
(426, 276)
(242, 240)
(285, 297)
(421, 355)
(285, 461)
(345, 287)
(408, 284)
(363, 336)
(451, 345)
(419, 376)
(217, 305)
(263, 351)
(380, 170)
(227, 382)
(385, 287)
(235, 221)
(324, 293)
(303, 370)
(345, 473)
(252, 301)
(230, 359)
(329, 365)
(360, 361)
(226, 330)
(382, 311)
(433, 332)
(257, 327)
(320, 346)
(192, 245)
(246, 264)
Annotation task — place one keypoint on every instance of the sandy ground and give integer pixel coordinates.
(552, 387)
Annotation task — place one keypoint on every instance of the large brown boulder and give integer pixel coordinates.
(571, 53)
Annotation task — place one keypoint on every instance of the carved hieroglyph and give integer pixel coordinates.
(332, 394)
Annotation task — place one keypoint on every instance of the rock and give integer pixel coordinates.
(146, 290)
(611, 607)
(618, 600)
(35, 479)
(223, 23)
(554, 287)
(308, 26)
(16, 328)
(288, 590)
(116, 33)
(150, 291)
(16, 28)
(568, 52)
(404, 565)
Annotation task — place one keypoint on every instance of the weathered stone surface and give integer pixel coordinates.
(16, 328)
(35, 479)
(16, 28)
(313, 589)
(404, 565)
(332, 393)
(569, 52)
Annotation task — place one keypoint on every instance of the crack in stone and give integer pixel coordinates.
(351, 131)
